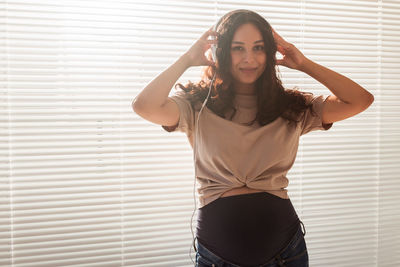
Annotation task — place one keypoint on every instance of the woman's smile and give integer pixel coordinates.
(248, 70)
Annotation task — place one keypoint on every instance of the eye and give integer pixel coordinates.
(236, 48)
(258, 48)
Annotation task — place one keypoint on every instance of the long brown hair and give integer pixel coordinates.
(273, 100)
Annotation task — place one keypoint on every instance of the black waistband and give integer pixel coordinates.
(247, 229)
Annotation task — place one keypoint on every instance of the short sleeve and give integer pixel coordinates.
(186, 116)
(313, 121)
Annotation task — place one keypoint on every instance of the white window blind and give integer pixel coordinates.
(85, 181)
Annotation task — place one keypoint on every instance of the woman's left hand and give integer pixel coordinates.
(292, 57)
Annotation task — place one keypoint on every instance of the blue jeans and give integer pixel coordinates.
(293, 255)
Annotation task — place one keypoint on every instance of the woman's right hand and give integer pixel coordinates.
(196, 54)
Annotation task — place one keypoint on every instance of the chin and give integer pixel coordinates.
(248, 81)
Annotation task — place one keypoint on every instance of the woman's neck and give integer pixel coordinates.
(245, 90)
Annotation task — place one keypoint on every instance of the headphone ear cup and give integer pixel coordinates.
(214, 46)
(214, 52)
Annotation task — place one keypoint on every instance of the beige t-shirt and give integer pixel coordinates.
(231, 155)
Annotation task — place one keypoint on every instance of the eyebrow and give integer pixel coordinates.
(237, 42)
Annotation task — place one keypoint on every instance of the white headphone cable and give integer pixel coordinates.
(195, 169)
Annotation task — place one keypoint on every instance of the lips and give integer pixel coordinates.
(248, 70)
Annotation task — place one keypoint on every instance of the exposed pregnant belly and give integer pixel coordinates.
(240, 191)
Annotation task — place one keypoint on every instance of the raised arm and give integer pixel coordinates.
(348, 98)
(152, 103)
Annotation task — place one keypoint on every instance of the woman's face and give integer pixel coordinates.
(247, 55)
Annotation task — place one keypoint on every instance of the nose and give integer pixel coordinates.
(248, 56)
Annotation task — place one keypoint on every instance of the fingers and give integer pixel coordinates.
(209, 32)
(280, 49)
(276, 35)
(206, 33)
(210, 63)
(278, 39)
(210, 43)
